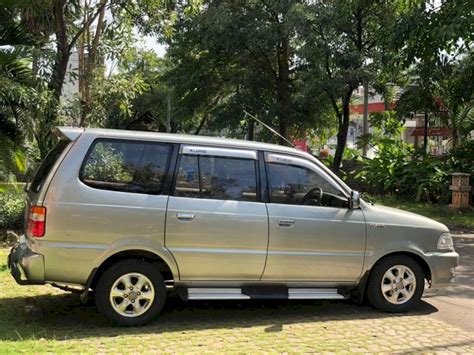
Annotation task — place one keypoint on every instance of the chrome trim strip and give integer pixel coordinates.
(262, 252)
(217, 251)
(88, 204)
(45, 244)
(313, 218)
(216, 294)
(220, 152)
(313, 253)
(236, 294)
(314, 294)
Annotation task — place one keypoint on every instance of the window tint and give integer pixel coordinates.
(219, 178)
(127, 166)
(187, 181)
(47, 164)
(228, 178)
(297, 185)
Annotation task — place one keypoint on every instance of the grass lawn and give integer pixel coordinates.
(41, 319)
(458, 221)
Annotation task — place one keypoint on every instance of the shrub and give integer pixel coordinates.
(12, 209)
(402, 170)
(461, 159)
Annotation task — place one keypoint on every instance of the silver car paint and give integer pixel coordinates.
(85, 226)
(322, 244)
(226, 240)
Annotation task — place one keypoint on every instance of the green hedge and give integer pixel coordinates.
(12, 208)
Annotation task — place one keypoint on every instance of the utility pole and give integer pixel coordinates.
(168, 112)
(365, 124)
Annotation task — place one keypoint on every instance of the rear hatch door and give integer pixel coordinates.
(38, 185)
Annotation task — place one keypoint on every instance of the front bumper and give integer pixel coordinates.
(23, 261)
(442, 267)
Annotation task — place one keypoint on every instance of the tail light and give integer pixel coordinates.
(37, 221)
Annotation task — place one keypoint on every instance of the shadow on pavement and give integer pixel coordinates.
(63, 316)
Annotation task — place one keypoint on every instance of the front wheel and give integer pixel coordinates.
(396, 284)
(130, 293)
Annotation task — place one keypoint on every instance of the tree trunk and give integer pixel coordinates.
(454, 137)
(91, 66)
(283, 89)
(201, 124)
(425, 134)
(62, 52)
(251, 130)
(55, 85)
(366, 117)
(342, 132)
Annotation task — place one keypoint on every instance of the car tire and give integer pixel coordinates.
(136, 283)
(396, 284)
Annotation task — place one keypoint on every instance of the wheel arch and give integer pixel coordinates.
(419, 259)
(138, 254)
(363, 284)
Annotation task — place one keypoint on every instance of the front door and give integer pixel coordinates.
(314, 236)
(216, 228)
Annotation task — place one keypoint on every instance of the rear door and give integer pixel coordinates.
(37, 187)
(216, 228)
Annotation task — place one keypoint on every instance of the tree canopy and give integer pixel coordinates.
(293, 64)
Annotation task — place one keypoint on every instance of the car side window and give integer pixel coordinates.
(127, 166)
(187, 181)
(218, 178)
(298, 185)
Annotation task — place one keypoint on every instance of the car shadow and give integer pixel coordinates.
(62, 316)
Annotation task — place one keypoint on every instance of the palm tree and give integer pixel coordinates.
(17, 87)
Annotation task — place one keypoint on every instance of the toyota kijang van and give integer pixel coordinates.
(131, 215)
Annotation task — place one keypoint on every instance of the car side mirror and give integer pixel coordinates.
(354, 201)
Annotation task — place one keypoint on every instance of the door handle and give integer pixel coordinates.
(185, 216)
(286, 223)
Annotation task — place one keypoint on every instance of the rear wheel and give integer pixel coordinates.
(131, 292)
(396, 284)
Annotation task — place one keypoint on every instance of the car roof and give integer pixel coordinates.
(74, 132)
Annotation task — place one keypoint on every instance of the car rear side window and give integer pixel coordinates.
(219, 178)
(127, 166)
(46, 165)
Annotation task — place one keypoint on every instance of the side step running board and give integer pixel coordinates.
(239, 294)
(216, 294)
(314, 294)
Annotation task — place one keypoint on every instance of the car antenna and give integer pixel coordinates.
(269, 128)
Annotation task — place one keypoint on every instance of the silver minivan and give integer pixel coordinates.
(129, 216)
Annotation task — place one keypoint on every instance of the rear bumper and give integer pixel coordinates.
(442, 267)
(22, 261)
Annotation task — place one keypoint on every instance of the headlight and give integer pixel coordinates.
(445, 242)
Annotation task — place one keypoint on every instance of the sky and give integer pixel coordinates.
(151, 43)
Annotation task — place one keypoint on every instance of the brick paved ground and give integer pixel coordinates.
(40, 319)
